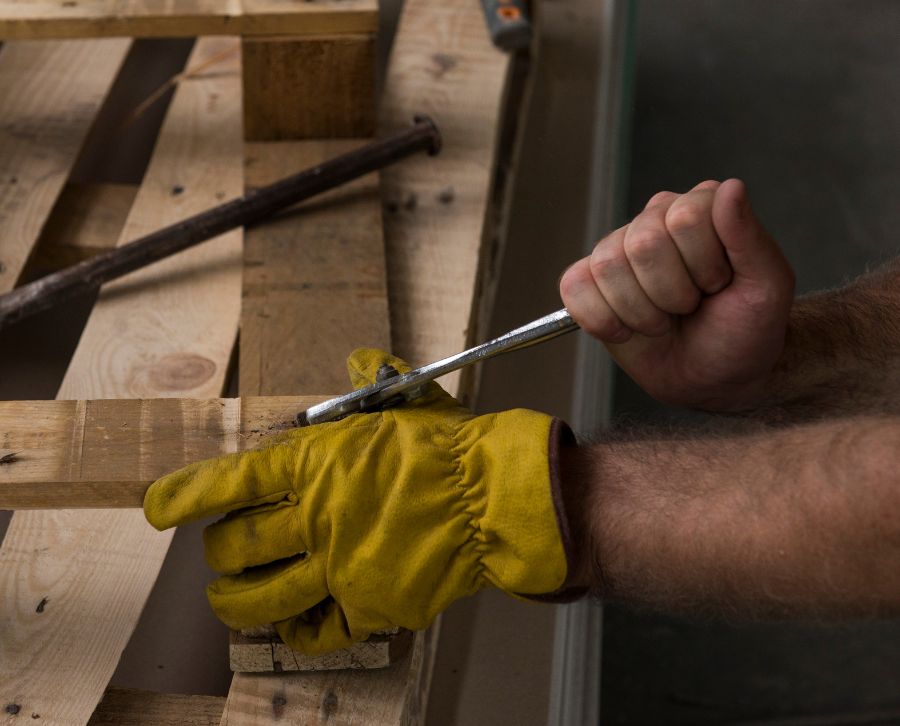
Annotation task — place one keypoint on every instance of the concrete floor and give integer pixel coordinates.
(802, 100)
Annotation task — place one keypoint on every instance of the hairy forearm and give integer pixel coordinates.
(842, 353)
(801, 521)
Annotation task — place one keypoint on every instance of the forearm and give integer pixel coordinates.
(842, 352)
(800, 521)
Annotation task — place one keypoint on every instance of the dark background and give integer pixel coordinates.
(801, 99)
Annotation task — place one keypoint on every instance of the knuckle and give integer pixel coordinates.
(685, 215)
(603, 263)
(574, 280)
(660, 198)
(708, 184)
(643, 247)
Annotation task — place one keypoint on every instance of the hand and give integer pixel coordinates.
(691, 298)
(383, 519)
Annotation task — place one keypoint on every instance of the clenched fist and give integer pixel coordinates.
(691, 298)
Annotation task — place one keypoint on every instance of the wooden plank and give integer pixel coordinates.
(304, 88)
(130, 707)
(49, 96)
(389, 695)
(263, 651)
(105, 453)
(87, 219)
(166, 331)
(443, 64)
(42, 19)
(314, 280)
(315, 287)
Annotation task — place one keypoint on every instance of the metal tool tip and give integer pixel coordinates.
(301, 419)
(436, 139)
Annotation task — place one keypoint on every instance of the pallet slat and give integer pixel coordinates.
(43, 19)
(444, 64)
(105, 453)
(164, 331)
(49, 96)
(130, 707)
(314, 279)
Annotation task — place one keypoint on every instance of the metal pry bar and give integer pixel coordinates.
(253, 207)
(408, 385)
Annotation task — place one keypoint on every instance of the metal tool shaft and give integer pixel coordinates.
(371, 397)
(242, 211)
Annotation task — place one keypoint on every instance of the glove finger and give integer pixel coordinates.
(363, 365)
(320, 630)
(220, 485)
(270, 593)
(255, 538)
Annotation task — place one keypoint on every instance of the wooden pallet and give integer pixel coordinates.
(303, 291)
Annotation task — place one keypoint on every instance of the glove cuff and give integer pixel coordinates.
(562, 437)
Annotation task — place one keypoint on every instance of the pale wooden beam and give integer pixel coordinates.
(442, 64)
(49, 96)
(165, 331)
(314, 279)
(43, 19)
(105, 453)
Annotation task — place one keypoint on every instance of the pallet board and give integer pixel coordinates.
(49, 96)
(44, 19)
(105, 453)
(315, 286)
(442, 64)
(129, 707)
(166, 331)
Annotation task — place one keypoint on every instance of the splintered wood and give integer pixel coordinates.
(105, 453)
(42, 19)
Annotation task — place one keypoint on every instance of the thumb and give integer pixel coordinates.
(753, 253)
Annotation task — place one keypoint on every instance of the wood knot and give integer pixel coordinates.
(329, 704)
(173, 373)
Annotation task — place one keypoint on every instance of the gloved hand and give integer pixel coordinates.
(378, 520)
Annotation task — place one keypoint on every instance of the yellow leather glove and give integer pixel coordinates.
(379, 520)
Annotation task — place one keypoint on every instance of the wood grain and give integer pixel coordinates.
(305, 88)
(130, 707)
(391, 695)
(314, 280)
(266, 652)
(105, 453)
(315, 287)
(166, 331)
(442, 64)
(49, 96)
(42, 19)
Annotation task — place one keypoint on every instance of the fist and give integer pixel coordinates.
(691, 298)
